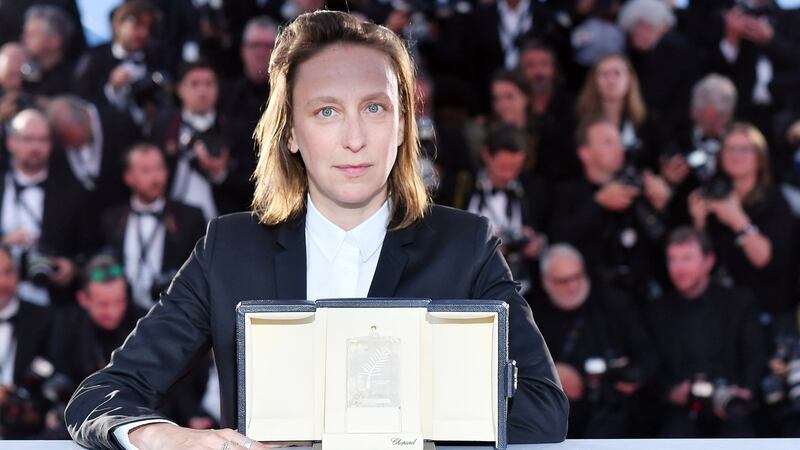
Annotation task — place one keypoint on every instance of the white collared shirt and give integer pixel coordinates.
(148, 231)
(513, 23)
(8, 345)
(27, 211)
(341, 264)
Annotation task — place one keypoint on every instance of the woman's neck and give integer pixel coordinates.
(347, 216)
(612, 110)
(744, 185)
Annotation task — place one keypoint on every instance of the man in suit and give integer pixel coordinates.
(208, 169)
(24, 331)
(341, 211)
(106, 74)
(42, 210)
(707, 336)
(151, 234)
(91, 141)
(46, 36)
(85, 334)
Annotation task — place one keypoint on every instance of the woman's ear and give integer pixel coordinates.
(293, 148)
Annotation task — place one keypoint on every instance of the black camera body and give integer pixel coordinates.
(778, 389)
(603, 372)
(23, 412)
(37, 267)
(152, 89)
(705, 396)
(650, 222)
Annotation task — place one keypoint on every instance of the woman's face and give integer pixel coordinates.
(739, 156)
(347, 126)
(509, 102)
(613, 79)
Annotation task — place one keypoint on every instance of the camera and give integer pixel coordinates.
(777, 388)
(151, 89)
(37, 268)
(211, 138)
(23, 412)
(602, 373)
(718, 187)
(650, 222)
(705, 395)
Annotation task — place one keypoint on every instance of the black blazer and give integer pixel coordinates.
(449, 254)
(32, 330)
(184, 226)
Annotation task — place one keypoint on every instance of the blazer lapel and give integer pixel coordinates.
(290, 261)
(391, 263)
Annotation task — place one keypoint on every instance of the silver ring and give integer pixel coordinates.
(247, 443)
(228, 445)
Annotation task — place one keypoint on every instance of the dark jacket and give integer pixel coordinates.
(240, 259)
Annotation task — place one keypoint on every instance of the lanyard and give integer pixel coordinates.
(145, 245)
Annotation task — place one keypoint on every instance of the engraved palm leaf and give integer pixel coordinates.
(375, 364)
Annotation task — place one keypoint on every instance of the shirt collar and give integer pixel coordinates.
(367, 236)
(28, 180)
(155, 207)
(10, 310)
(120, 53)
(200, 122)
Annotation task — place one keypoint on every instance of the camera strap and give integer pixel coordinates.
(146, 244)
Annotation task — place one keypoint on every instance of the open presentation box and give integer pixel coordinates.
(374, 373)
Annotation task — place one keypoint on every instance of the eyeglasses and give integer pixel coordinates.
(563, 281)
(105, 273)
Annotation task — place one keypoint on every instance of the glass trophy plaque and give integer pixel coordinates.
(373, 371)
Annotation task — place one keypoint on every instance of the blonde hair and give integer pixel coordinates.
(590, 101)
(759, 143)
(281, 179)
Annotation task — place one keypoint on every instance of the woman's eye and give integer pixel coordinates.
(326, 112)
(374, 108)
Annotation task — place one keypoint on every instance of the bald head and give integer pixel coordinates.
(29, 142)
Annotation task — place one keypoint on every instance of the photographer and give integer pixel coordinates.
(750, 222)
(513, 203)
(196, 140)
(90, 141)
(42, 215)
(46, 36)
(601, 351)
(151, 234)
(709, 343)
(24, 331)
(692, 157)
(613, 220)
(781, 387)
(85, 334)
(111, 72)
(758, 47)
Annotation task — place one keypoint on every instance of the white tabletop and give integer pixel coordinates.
(576, 444)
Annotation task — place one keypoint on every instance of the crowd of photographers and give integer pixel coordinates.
(640, 160)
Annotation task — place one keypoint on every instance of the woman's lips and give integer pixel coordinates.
(353, 169)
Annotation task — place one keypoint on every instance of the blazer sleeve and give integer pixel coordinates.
(175, 333)
(539, 409)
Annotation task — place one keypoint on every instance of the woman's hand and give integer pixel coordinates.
(730, 213)
(164, 436)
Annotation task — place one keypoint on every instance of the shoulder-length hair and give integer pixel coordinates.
(280, 176)
(759, 143)
(590, 102)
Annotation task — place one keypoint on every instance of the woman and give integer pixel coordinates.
(339, 211)
(611, 91)
(752, 227)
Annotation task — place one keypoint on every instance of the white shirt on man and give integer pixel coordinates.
(144, 231)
